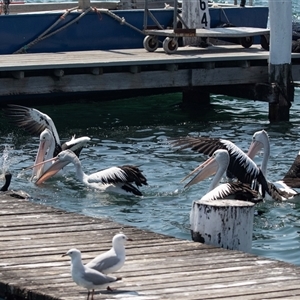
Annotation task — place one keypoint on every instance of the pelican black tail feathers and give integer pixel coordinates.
(131, 189)
(134, 174)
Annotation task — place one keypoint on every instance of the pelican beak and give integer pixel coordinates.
(38, 167)
(254, 148)
(58, 165)
(208, 168)
(41, 163)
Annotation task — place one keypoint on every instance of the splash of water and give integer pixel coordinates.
(6, 159)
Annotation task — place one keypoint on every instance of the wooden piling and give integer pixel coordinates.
(280, 68)
(223, 223)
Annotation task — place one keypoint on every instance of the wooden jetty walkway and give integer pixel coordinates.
(212, 70)
(33, 238)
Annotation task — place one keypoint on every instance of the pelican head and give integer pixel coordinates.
(260, 140)
(61, 160)
(46, 144)
(218, 162)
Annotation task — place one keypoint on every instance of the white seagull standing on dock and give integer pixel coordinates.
(217, 164)
(38, 123)
(87, 277)
(114, 179)
(112, 260)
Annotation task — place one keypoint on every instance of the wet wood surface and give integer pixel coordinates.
(34, 236)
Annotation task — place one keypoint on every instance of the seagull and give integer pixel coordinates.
(37, 123)
(114, 179)
(112, 260)
(7, 178)
(217, 164)
(87, 277)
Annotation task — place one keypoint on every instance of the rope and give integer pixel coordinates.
(119, 19)
(44, 34)
(225, 15)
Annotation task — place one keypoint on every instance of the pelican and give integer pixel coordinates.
(38, 123)
(240, 164)
(217, 164)
(47, 150)
(114, 179)
(291, 180)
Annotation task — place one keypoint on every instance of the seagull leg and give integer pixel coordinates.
(93, 294)
(88, 295)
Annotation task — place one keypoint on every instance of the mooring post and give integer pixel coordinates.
(195, 14)
(280, 68)
(223, 223)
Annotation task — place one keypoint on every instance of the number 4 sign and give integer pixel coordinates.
(204, 14)
(195, 13)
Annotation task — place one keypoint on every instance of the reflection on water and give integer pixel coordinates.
(136, 131)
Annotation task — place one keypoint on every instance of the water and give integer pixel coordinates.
(137, 131)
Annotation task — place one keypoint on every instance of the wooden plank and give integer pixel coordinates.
(110, 81)
(128, 57)
(157, 266)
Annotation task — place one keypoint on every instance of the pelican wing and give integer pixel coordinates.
(113, 175)
(204, 145)
(240, 165)
(76, 144)
(31, 119)
(292, 177)
(234, 190)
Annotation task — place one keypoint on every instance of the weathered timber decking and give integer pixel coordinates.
(134, 69)
(33, 238)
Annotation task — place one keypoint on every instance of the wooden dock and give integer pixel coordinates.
(33, 238)
(212, 70)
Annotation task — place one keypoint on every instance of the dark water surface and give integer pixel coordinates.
(136, 131)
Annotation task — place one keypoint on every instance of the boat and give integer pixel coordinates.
(103, 29)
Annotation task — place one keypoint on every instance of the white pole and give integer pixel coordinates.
(223, 223)
(280, 20)
(280, 70)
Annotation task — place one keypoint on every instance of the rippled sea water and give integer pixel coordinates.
(137, 131)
